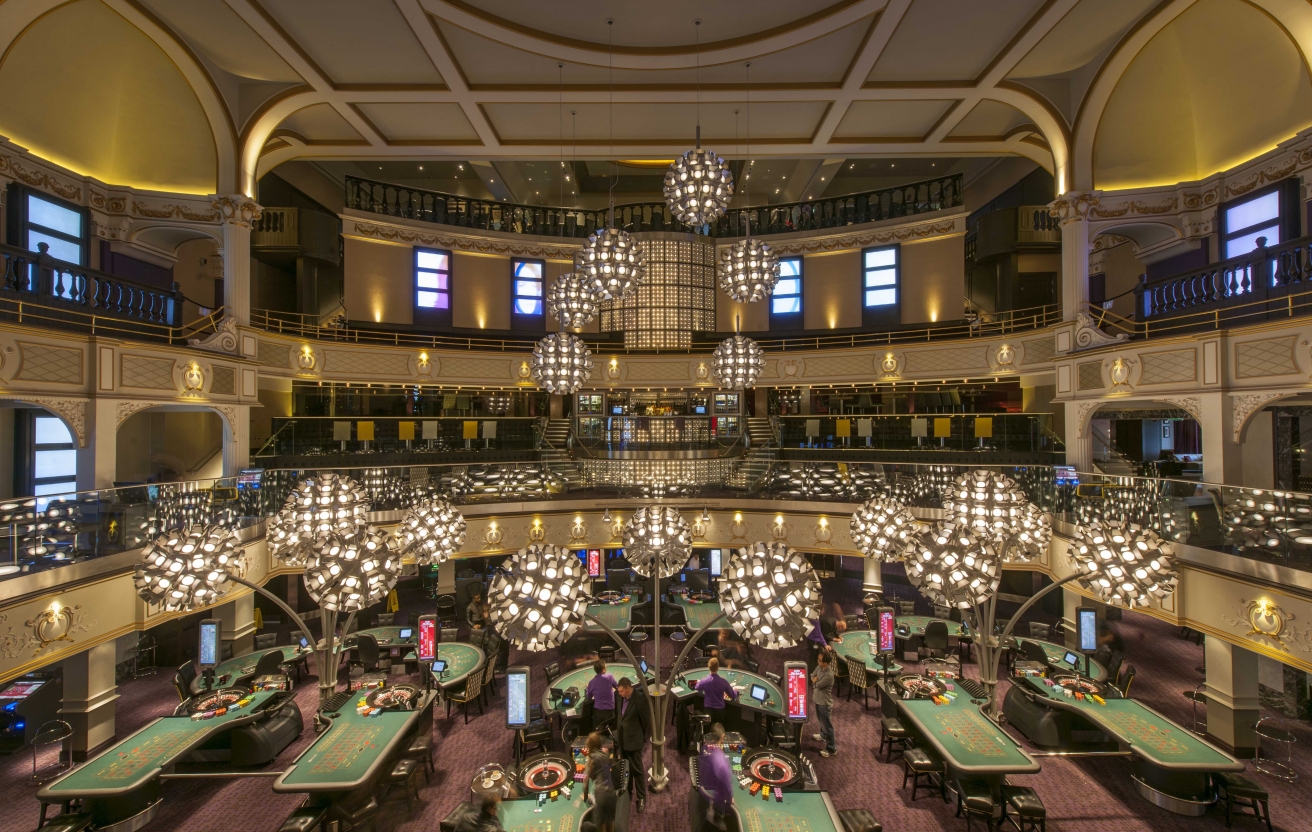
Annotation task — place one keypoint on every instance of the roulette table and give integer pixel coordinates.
(742, 681)
(1056, 658)
(545, 773)
(773, 767)
(1171, 764)
(461, 660)
(387, 636)
(701, 612)
(916, 686)
(967, 741)
(797, 812)
(856, 644)
(122, 781)
(916, 625)
(564, 814)
(216, 702)
(238, 672)
(616, 615)
(578, 678)
(354, 750)
(395, 698)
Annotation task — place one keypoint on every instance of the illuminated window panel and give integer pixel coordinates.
(527, 304)
(880, 277)
(433, 280)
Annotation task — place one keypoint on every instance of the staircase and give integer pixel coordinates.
(1107, 459)
(554, 451)
(760, 431)
(761, 453)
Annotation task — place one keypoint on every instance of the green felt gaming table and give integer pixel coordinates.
(1056, 658)
(966, 739)
(742, 681)
(461, 660)
(579, 678)
(353, 751)
(559, 815)
(616, 616)
(238, 672)
(388, 636)
(700, 614)
(135, 761)
(799, 812)
(918, 623)
(857, 644)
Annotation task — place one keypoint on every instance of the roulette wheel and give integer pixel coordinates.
(701, 596)
(396, 698)
(1086, 687)
(546, 772)
(216, 700)
(773, 767)
(610, 596)
(915, 686)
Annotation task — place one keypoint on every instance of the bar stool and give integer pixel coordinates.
(975, 798)
(918, 763)
(54, 731)
(1031, 815)
(1195, 697)
(1266, 729)
(1232, 787)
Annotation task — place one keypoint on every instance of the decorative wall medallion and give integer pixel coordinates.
(55, 624)
(824, 535)
(699, 529)
(790, 368)
(1088, 335)
(1006, 357)
(1120, 373)
(737, 530)
(888, 365)
(1268, 621)
(613, 370)
(423, 366)
(222, 339)
(578, 531)
(524, 371)
(537, 532)
(193, 379)
(779, 531)
(703, 372)
(306, 360)
(617, 529)
(492, 536)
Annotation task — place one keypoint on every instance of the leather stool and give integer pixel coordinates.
(859, 820)
(403, 775)
(356, 813)
(449, 823)
(421, 749)
(68, 823)
(918, 763)
(1031, 816)
(975, 798)
(305, 819)
(893, 734)
(1237, 787)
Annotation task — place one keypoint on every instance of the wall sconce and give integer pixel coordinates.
(305, 360)
(423, 365)
(706, 516)
(737, 517)
(193, 379)
(605, 517)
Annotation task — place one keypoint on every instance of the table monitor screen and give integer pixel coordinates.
(517, 684)
(594, 563)
(304, 642)
(207, 655)
(716, 556)
(643, 666)
(427, 638)
(758, 693)
(1087, 619)
(696, 578)
(887, 630)
(797, 693)
(1071, 659)
(22, 689)
(407, 633)
(439, 666)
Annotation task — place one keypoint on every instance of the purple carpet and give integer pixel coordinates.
(1088, 795)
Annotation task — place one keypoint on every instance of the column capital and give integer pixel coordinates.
(1073, 205)
(236, 209)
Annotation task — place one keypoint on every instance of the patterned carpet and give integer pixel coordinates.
(1089, 795)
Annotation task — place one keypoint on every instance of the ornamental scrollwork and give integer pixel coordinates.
(236, 209)
(1244, 405)
(1088, 335)
(73, 411)
(1268, 622)
(171, 211)
(50, 626)
(222, 339)
(1082, 412)
(1073, 206)
(1190, 404)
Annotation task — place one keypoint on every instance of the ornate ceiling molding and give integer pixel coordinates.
(388, 232)
(1244, 405)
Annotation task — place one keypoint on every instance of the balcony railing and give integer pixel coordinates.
(417, 435)
(60, 285)
(549, 221)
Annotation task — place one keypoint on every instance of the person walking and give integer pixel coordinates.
(598, 785)
(632, 728)
(822, 685)
(715, 777)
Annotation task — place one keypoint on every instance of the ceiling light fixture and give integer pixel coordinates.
(737, 363)
(699, 184)
(749, 269)
(561, 363)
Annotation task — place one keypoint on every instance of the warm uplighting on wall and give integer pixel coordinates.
(737, 517)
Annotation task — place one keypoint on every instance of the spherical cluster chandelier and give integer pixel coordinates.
(570, 301)
(952, 566)
(384, 489)
(925, 488)
(657, 541)
(737, 363)
(770, 594)
(1134, 499)
(993, 507)
(432, 531)
(561, 363)
(536, 600)
(183, 569)
(884, 529)
(610, 263)
(698, 186)
(1259, 521)
(177, 508)
(498, 482)
(1123, 564)
(348, 572)
(326, 504)
(749, 269)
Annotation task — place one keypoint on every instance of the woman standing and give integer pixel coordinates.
(598, 781)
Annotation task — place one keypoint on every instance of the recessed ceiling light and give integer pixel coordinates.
(421, 167)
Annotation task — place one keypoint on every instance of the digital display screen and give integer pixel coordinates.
(594, 563)
(249, 478)
(716, 555)
(304, 642)
(758, 693)
(22, 689)
(427, 638)
(207, 655)
(887, 630)
(1070, 659)
(407, 633)
(643, 666)
(1087, 620)
(439, 666)
(517, 697)
(797, 692)
(699, 409)
(1065, 475)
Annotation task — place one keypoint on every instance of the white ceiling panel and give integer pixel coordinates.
(320, 123)
(890, 119)
(420, 122)
(637, 123)
(1086, 31)
(356, 42)
(215, 30)
(950, 40)
(989, 118)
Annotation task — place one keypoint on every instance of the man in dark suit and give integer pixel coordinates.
(632, 728)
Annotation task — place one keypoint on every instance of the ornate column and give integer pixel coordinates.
(1071, 210)
(236, 437)
(1079, 435)
(89, 695)
(238, 213)
(97, 456)
(1233, 703)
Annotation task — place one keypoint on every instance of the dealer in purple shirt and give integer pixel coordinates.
(714, 776)
(715, 688)
(601, 690)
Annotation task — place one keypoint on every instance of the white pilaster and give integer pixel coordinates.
(237, 440)
(872, 582)
(1079, 438)
(1222, 459)
(1072, 212)
(89, 696)
(238, 212)
(1233, 705)
(97, 463)
(238, 617)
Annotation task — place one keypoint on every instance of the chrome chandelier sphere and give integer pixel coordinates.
(536, 599)
(1123, 564)
(749, 269)
(317, 507)
(737, 363)
(657, 541)
(770, 594)
(952, 566)
(611, 264)
(993, 507)
(570, 301)
(1258, 520)
(384, 489)
(884, 529)
(698, 187)
(432, 531)
(183, 569)
(348, 572)
(561, 363)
